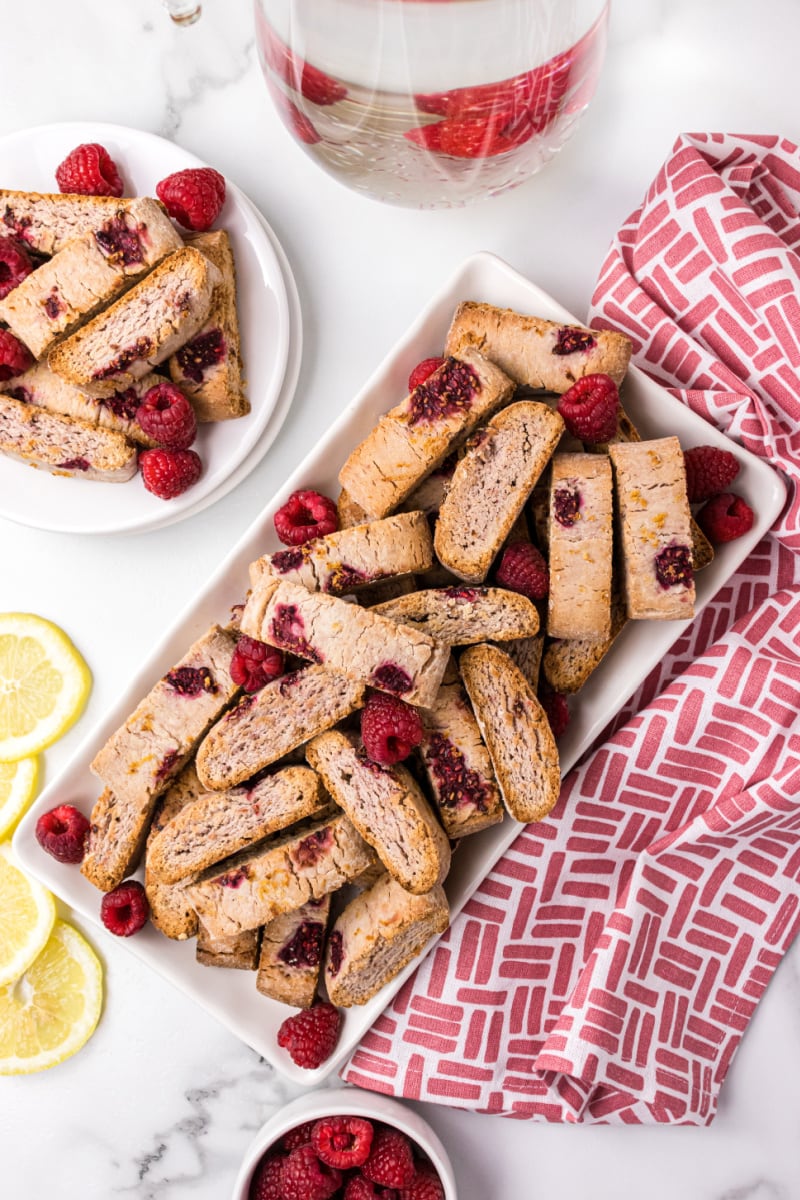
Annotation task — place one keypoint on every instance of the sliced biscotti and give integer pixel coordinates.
(457, 762)
(568, 664)
(43, 388)
(527, 654)
(141, 758)
(351, 559)
(413, 438)
(62, 445)
(344, 637)
(535, 352)
(516, 732)
(141, 329)
(292, 947)
(377, 935)
(655, 529)
(580, 547)
(238, 953)
(279, 875)
(490, 486)
(461, 616)
(218, 824)
(170, 911)
(89, 272)
(208, 368)
(265, 726)
(387, 808)
(47, 221)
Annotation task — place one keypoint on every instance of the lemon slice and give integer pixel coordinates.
(17, 786)
(52, 1010)
(27, 913)
(44, 683)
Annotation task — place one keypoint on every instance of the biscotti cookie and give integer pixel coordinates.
(376, 936)
(527, 654)
(208, 368)
(218, 824)
(141, 329)
(47, 221)
(292, 947)
(279, 876)
(463, 615)
(535, 352)
(412, 439)
(387, 808)
(655, 531)
(238, 953)
(516, 732)
(568, 664)
(457, 762)
(87, 274)
(170, 911)
(141, 758)
(344, 637)
(581, 547)
(62, 445)
(352, 558)
(279, 717)
(490, 485)
(348, 512)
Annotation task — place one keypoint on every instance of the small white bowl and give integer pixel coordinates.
(346, 1101)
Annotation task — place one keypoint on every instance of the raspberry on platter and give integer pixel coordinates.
(255, 663)
(390, 728)
(62, 833)
(14, 357)
(167, 417)
(15, 265)
(168, 473)
(422, 370)
(590, 408)
(710, 470)
(125, 910)
(310, 1036)
(305, 515)
(89, 170)
(523, 569)
(193, 197)
(725, 518)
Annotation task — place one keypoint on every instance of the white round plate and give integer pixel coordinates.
(269, 317)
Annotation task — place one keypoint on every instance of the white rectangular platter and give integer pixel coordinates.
(231, 996)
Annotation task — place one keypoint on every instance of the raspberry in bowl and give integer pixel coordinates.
(344, 1143)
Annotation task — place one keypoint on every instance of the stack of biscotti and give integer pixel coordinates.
(116, 302)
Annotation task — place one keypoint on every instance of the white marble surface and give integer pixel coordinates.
(162, 1102)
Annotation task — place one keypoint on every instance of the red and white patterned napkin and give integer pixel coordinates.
(606, 969)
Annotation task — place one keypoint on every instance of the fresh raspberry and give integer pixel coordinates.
(89, 170)
(342, 1141)
(556, 710)
(310, 1036)
(590, 407)
(725, 518)
(254, 663)
(167, 417)
(15, 265)
(422, 370)
(299, 1136)
(168, 473)
(193, 197)
(304, 1177)
(305, 515)
(390, 1162)
(266, 1182)
(522, 569)
(14, 357)
(709, 471)
(426, 1185)
(390, 728)
(125, 910)
(62, 833)
(359, 1188)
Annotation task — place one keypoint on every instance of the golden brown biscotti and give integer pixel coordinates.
(655, 529)
(376, 936)
(568, 664)
(527, 654)
(292, 949)
(238, 953)
(47, 221)
(516, 732)
(414, 437)
(208, 368)
(535, 352)
(581, 547)
(490, 486)
(348, 512)
(141, 329)
(62, 445)
(463, 615)
(387, 808)
(170, 911)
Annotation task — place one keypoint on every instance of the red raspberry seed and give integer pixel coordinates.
(305, 515)
(89, 170)
(422, 370)
(342, 1142)
(62, 833)
(125, 910)
(254, 663)
(522, 569)
(304, 1177)
(390, 1163)
(193, 197)
(14, 357)
(15, 265)
(709, 471)
(310, 1036)
(168, 473)
(266, 1182)
(725, 518)
(590, 407)
(390, 728)
(167, 417)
